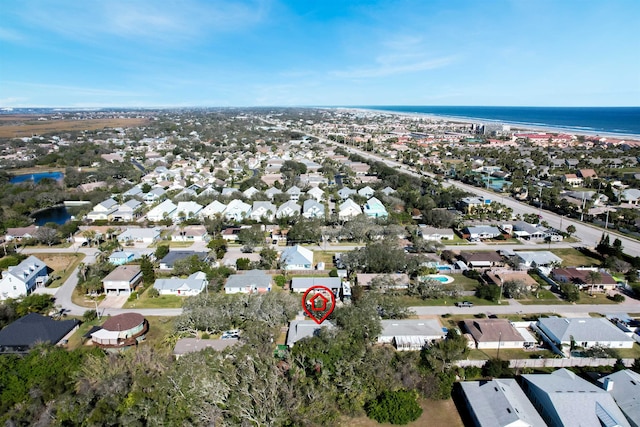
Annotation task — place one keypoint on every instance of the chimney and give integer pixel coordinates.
(608, 384)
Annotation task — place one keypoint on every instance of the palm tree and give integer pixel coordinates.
(90, 235)
(594, 276)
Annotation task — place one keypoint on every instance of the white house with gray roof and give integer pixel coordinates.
(192, 285)
(482, 232)
(288, 209)
(301, 284)
(585, 332)
(349, 209)
(299, 329)
(534, 259)
(312, 209)
(261, 210)
(565, 399)
(237, 210)
(212, 209)
(410, 334)
(297, 258)
(24, 278)
(499, 403)
(163, 211)
(249, 282)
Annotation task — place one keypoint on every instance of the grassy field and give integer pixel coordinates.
(29, 126)
(574, 258)
(414, 301)
(629, 353)
(436, 413)
(62, 264)
(163, 301)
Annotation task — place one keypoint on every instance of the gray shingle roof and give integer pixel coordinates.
(583, 329)
(34, 328)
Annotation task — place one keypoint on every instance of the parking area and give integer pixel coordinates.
(114, 301)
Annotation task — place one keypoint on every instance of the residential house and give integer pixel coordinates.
(230, 234)
(161, 212)
(584, 278)
(410, 334)
(123, 279)
(565, 399)
(250, 192)
(251, 281)
(624, 386)
(316, 193)
(435, 234)
(121, 257)
(190, 233)
(170, 259)
(299, 329)
(482, 259)
(481, 232)
(534, 259)
(154, 195)
(272, 191)
(588, 173)
(288, 209)
(348, 209)
(186, 210)
(375, 209)
(212, 209)
(346, 192)
(399, 280)
(102, 210)
(294, 193)
(312, 209)
(572, 179)
(34, 328)
(237, 210)
(499, 403)
(126, 212)
(139, 235)
(584, 332)
(366, 192)
(297, 258)
(528, 231)
(263, 210)
(302, 284)
(24, 278)
(135, 191)
(469, 204)
(388, 191)
(121, 331)
(630, 196)
(192, 285)
(493, 333)
(20, 233)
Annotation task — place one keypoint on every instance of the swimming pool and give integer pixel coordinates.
(440, 278)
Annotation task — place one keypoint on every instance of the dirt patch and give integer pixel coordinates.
(436, 413)
(58, 262)
(28, 126)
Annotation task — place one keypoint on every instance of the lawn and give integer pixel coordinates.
(163, 301)
(415, 301)
(544, 297)
(629, 353)
(585, 298)
(467, 283)
(326, 257)
(160, 328)
(434, 413)
(62, 264)
(574, 258)
(75, 341)
(509, 353)
(84, 300)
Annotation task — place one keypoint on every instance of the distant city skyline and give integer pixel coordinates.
(219, 53)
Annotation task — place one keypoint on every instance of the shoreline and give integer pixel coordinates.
(514, 125)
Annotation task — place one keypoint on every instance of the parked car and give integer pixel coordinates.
(230, 334)
(464, 304)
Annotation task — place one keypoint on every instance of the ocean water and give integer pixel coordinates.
(593, 120)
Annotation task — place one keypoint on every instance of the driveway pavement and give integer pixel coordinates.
(113, 301)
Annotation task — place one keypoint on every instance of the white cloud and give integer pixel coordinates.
(388, 66)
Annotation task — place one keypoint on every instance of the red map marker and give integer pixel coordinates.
(318, 302)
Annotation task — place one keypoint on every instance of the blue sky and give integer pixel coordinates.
(144, 53)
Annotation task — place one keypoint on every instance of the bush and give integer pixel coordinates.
(153, 293)
(89, 315)
(333, 272)
(279, 280)
(133, 296)
(496, 368)
(617, 298)
(395, 407)
(243, 263)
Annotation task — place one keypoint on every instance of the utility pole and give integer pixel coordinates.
(499, 342)
(606, 224)
(540, 202)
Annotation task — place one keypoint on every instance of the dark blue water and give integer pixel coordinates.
(59, 215)
(613, 120)
(36, 177)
